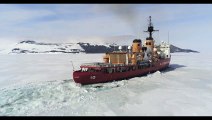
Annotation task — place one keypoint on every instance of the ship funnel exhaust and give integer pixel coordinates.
(125, 12)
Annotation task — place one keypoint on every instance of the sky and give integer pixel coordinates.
(187, 25)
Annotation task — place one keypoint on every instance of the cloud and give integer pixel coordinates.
(100, 22)
(15, 15)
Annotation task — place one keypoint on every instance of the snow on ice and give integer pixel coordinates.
(42, 85)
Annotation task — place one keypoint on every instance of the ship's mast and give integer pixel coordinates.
(150, 29)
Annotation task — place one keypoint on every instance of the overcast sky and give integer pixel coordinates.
(189, 25)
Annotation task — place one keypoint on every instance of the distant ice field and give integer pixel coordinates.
(42, 85)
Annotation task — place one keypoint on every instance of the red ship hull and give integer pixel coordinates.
(100, 77)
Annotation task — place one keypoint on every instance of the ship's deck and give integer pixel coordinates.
(100, 64)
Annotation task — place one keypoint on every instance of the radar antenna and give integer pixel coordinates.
(150, 29)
